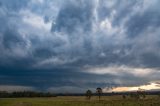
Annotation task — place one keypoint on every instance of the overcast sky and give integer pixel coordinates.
(75, 45)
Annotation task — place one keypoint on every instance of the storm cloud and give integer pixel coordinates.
(78, 44)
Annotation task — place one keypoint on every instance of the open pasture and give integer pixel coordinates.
(81, 101)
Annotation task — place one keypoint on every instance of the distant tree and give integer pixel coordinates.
(141, 93)
(99, 92)
(124, 96)
(134, 95)
(88, 94)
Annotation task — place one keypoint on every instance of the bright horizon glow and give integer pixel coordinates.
(151, 86)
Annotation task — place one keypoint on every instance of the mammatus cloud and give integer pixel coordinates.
(93, 43)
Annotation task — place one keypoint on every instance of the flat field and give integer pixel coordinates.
(80, 101)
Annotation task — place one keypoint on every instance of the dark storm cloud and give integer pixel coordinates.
(55, 78)
(13, 5)
(48, 44)
(74, 16)
(139, 23)
(11, 39)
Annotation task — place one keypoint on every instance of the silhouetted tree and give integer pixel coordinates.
(135, 95)
(88, 94)
(99, 91)
(124, 96)
(141, 93)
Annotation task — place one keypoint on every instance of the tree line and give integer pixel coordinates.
(139, 94)
(4, 94)
(99, 93)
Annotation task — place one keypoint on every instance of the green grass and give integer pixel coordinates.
(80, 101)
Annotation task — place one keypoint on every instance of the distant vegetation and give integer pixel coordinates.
(29, 98)
(4, 94)
(99, 92)
(88, 94)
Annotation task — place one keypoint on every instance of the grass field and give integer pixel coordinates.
(80, 101)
